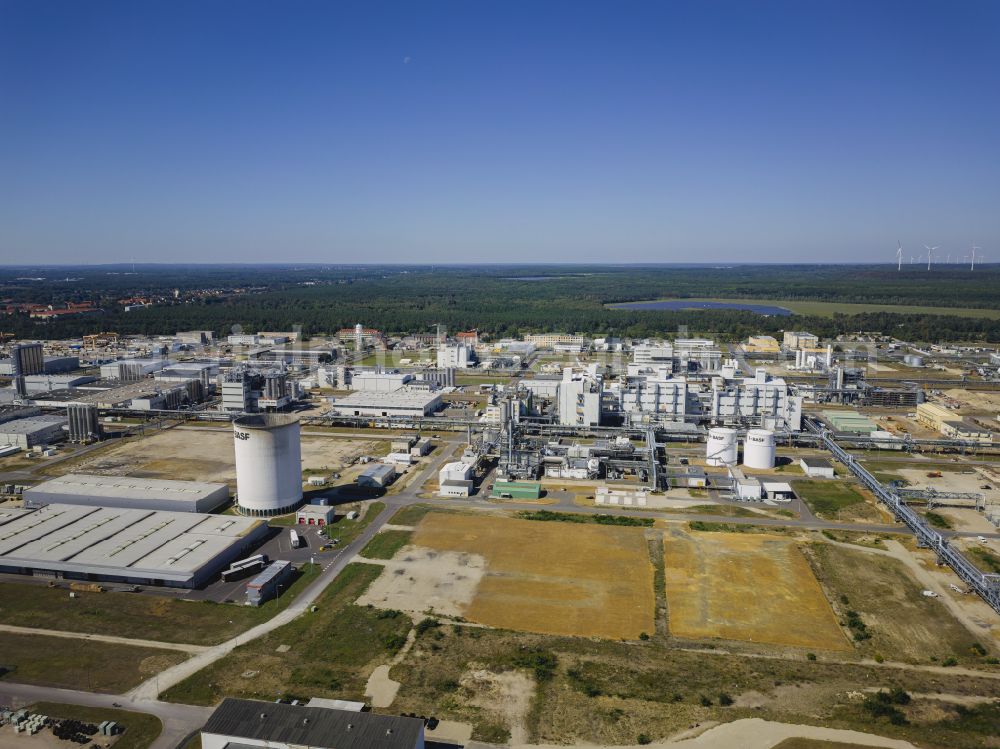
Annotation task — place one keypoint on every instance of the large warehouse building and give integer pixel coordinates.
(32, 431)
(402, 402)
(145, 547)
(128, 491)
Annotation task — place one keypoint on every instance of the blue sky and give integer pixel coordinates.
(497, 131)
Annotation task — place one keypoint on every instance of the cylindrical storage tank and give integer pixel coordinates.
(912, 360)
(758, 449)
(268, 464)
(722, 448)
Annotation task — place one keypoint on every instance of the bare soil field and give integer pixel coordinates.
(424, 581)
(974, 401)
(745, 586)
(202, 455)
(588, 581)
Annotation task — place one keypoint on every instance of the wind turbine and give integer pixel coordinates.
(949, 258)
(974, 248)
(929, 251)
(899, 256)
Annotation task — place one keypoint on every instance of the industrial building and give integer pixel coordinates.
(318, 515)
(794, 339)
(456, 488)
(168, 398)
(850, 422)
(378, 380)
(146, 547)
(457, 355)
(247, 389)
(455, 479)
(405, 402)
(580, 398)
(516, 489)
(50, 365)
(44, 383)
(817, 468)
(27, 359)
(683, 356)
(760, 400)
(206, 372)
(548, 340)
(130, 370)
(935, 416)
(268, 464)
(11, 413)
(249, 724)
(377, 476)
(655, 398)
(84, 424)
(32, 431)
(129, 492)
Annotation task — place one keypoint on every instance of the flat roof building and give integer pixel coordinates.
(402, 402)
(314, 515)
(239, 724)
(32, 431)
(503, 489)
(148, 547)
(377, 476)
(817, 468)
(128, 491)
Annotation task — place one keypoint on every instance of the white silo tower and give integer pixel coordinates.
(759, 449)
(721, 448)
(268, 464)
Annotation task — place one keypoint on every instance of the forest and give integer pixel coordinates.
(499, 300)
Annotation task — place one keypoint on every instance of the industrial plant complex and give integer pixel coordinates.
(553, 485)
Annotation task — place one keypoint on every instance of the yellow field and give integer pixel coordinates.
(746, 586)
(550, 577)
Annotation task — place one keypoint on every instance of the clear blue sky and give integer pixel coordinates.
(217, 130)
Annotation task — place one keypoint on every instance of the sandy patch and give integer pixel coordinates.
(198, 454)
(419, 580)
(506, 694)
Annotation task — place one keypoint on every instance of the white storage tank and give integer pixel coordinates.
(758, 449)
(268, 464)
(722, 448)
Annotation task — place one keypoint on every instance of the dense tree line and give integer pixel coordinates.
(497, 301)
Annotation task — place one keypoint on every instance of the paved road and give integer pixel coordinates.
(179, 721)
(150, 690)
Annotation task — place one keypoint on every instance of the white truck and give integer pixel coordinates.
(294, 538)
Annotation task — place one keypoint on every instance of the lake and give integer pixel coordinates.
(688, 304)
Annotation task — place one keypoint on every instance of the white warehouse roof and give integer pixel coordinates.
(129, 491)
(177, 548)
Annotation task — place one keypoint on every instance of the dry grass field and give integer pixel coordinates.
(746, 586)
(584, 580)
(901, 623)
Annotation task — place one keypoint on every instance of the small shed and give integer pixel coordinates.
(817, 468)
